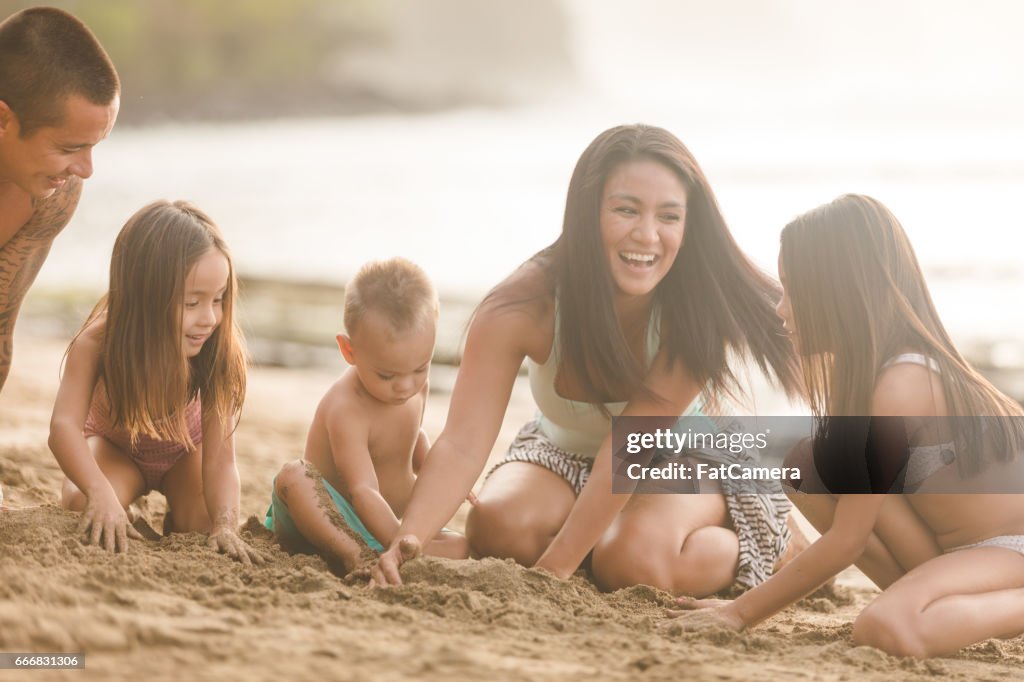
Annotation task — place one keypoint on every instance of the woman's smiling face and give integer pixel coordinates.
(643, 211)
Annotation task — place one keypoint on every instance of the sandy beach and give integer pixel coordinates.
(173, 609)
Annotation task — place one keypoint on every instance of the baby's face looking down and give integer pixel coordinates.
(392, 366)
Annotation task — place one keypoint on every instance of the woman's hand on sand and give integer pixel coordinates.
(703, 614)
(227, 541)
(385, 571)
(104, 522)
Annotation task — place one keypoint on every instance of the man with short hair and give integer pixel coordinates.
(59, 97)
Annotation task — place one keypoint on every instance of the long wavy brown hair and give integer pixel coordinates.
(713, 301)
(859, 298)
(149, 378)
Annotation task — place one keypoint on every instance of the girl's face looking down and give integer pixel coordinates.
(203, 309)
(643, 211)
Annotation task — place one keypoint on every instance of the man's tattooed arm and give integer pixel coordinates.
(23, 255)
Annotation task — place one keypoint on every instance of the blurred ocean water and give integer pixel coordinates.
(786, 105)
(469, 195)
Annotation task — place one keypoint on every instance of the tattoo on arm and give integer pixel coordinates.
(23, 255)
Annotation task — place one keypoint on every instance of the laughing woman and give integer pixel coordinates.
(633, 310)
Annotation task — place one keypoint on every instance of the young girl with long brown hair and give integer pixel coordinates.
(153, 385)
(950, 564)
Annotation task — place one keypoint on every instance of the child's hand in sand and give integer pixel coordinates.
(385, 571)
(703, 614)
(227, 541)
(105, 523)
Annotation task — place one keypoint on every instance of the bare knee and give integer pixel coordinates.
(291, 474)
(494, 529)
(628, 559)
(895, 629)
(705, 564)
(708, 562)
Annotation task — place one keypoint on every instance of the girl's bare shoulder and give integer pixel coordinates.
(91, 337)
(908, 389)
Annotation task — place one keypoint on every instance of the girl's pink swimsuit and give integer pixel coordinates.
(153, 457)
